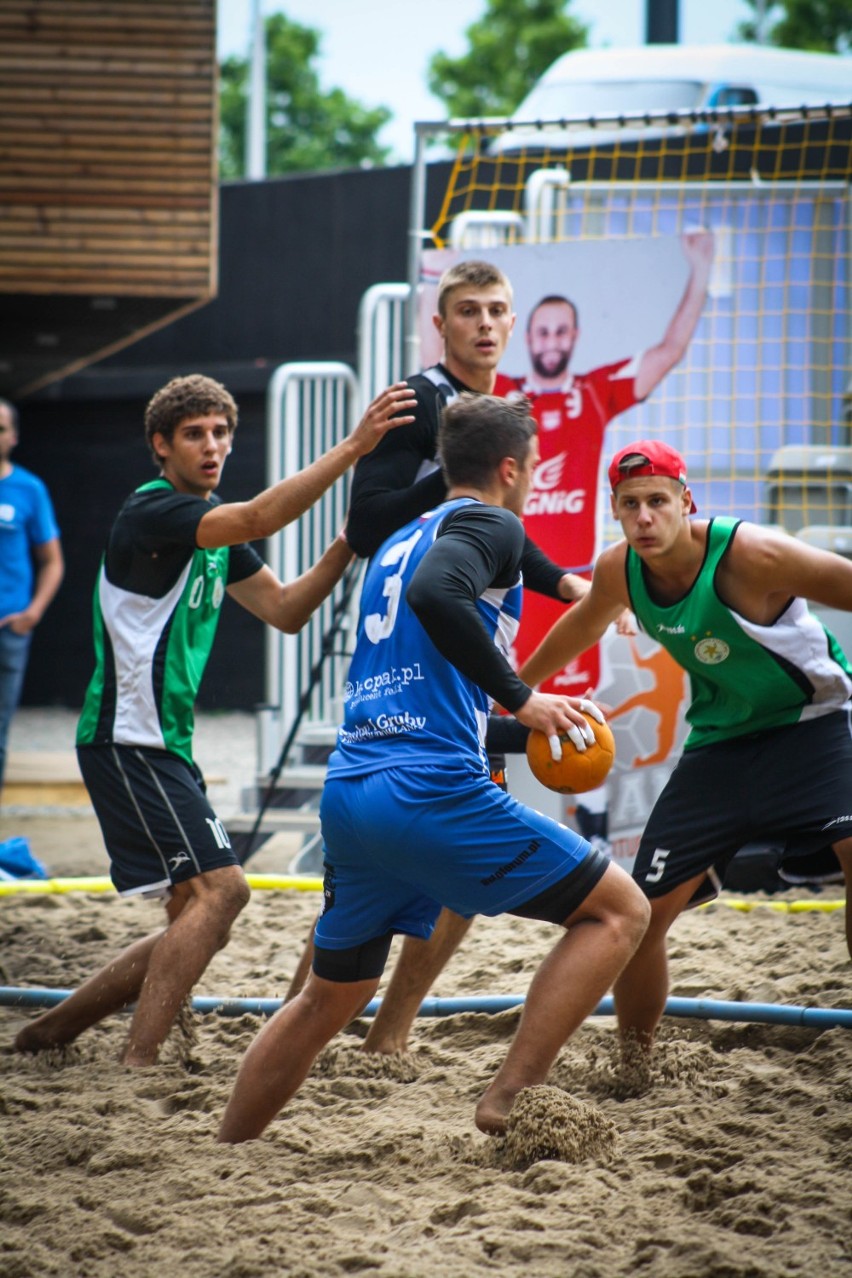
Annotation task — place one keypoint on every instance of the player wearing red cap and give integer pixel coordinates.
(769, 752)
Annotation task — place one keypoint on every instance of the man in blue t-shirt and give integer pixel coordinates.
(411, 819)
(31, 568)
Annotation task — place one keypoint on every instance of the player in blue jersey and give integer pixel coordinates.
(411, 819)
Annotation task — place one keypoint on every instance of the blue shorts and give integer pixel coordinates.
(403, 842)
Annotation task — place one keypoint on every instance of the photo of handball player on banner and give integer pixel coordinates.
(573, 411)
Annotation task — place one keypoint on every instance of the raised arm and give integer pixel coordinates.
(386, 493)
(288, 605)
(399, 480)
(763, 569)
(273, 509)
(698, 247)
(583, 625)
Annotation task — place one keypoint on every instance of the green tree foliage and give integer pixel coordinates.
(308, 129)
(820, 26)
(512, 44)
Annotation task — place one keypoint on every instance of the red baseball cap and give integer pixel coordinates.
(647, 457)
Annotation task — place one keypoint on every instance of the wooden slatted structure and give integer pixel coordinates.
(108, 124)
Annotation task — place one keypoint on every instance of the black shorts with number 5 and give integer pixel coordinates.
(791, 786)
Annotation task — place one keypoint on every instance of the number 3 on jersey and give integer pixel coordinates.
(376, 625)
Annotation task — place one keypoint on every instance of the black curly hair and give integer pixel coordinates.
(183, 397)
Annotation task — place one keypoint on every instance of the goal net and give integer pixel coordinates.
(761, 402)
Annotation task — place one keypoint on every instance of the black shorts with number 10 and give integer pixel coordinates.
(156, 820)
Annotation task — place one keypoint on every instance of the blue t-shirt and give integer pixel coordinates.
(26, 521)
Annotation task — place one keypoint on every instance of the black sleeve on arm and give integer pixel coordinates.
(243, 561)
(540, 573)
(477, 547)
(153, 539)
(384, 495)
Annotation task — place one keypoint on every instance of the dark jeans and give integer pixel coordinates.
(14, 651)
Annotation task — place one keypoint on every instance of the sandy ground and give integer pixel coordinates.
(738, 1162)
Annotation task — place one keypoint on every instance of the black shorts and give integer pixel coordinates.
(791, 787)
(157, 824)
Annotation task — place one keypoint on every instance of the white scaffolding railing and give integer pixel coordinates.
(310, 407)
(486, 229)
(381, 338)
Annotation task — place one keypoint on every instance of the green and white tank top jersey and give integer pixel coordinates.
(744, 677)
(156, 608)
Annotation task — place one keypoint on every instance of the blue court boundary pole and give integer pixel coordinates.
(705, 1009)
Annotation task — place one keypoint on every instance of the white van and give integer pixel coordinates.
(655, 78)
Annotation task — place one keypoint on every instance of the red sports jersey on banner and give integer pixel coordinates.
(560, 512)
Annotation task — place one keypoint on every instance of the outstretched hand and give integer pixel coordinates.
(625, 624)
(698, 246)
(392, 408)
(554, 715)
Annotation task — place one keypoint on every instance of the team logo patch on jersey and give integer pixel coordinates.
(712, 651)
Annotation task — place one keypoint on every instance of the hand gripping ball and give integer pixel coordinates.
(575, 771)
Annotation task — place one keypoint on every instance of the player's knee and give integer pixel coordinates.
(627, 910)
(237, 895)
(229, 896)
(843, 852)
(231, 907)
(638, 915)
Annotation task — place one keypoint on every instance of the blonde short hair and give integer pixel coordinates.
(474, 274)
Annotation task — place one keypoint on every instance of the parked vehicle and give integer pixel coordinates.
(657, 79)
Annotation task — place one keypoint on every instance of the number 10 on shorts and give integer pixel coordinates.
(219, 833)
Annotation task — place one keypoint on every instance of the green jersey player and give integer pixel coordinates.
(172, 555)
(769, 753)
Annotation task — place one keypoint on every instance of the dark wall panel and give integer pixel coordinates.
(296, 256)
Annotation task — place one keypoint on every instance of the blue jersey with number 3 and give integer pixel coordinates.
(404, 702)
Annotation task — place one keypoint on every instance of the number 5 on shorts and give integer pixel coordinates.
(658, 865)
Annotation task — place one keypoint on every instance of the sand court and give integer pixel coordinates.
(735, 1162)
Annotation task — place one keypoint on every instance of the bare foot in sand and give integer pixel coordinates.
(35, 1037)
(633, 1071)
(493, 1110)
(385, 1046)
